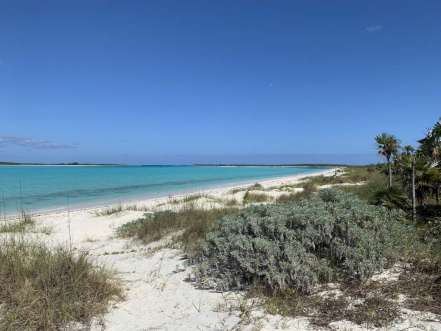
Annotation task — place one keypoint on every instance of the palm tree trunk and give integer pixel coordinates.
(390, 173)
(413, 192)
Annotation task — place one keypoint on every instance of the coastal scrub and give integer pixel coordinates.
(331, 236)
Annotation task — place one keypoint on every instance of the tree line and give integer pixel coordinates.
(417, 170)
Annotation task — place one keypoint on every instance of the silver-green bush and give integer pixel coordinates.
(297, 245)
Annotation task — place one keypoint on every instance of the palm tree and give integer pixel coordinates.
(387, 146)
(430, 145)
(408, 162)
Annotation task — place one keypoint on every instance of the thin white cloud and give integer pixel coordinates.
(31, 143)
(374, 28)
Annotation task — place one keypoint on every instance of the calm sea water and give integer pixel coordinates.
(35, 188)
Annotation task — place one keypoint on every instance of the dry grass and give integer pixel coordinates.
(24, 223)
(252, 197)
(189, 224)
(256, 186)
(308, 189)
(370, 304)
(373, 307)
(48, 289)
(188, 199)
(349, 175)
(110, 211)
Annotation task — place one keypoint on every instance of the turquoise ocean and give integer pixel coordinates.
(38, 188)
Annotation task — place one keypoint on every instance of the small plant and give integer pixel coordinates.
(237, 190)
(110, 211)
(251, 197)
(192, 198)
(231, 202)
(188, 199)
(308, 189)
(256, 187)
(45, 289)
(364, 304)
(24, 223)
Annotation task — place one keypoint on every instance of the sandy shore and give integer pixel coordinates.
(149, 202)
(155, 277)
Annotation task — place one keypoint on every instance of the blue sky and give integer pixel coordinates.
(226, 81)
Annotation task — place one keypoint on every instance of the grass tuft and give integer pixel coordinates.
(308, 189)
(110, 211)
(24, 223)
(189, 224)
(48, 289)
(252, 197)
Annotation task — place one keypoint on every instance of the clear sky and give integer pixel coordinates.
(234, 81)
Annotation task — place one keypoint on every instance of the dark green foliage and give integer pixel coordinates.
(392, 198)
(297, 245)
(376, 182)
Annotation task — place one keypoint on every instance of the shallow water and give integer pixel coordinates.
(34, 188)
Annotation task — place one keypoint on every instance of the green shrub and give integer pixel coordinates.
(392, 198)
(297, 245)
(377, 182)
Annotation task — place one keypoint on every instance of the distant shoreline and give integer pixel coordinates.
(318, 165)
(163, 197)
(73, 164)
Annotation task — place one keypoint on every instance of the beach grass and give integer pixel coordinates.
(254, 197)
(189, 225)
(110, 210)
(308, 189)
(24, 223)
(49, 289)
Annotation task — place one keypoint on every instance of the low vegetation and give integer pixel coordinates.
(298, 245)
(286, 253)
(188, 225)
(348, 175)
(372, 310)
(110, 211)
(307, 190)
(188, 199)
(49, 289)
(25, 222)
(254, 197)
